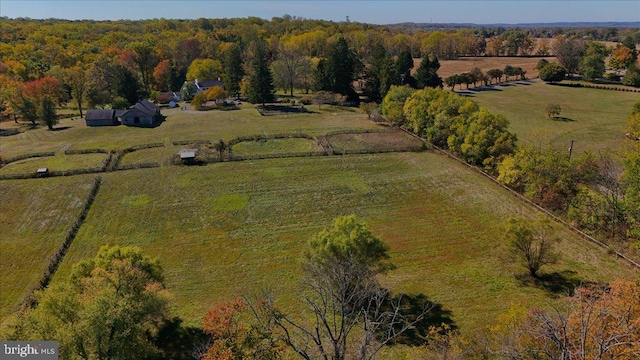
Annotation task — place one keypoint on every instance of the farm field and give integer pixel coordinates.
(36, 216)
(223, 229)
(594, 118)
(226, 228)
(182, 125)
(58, 162)
(466, 64)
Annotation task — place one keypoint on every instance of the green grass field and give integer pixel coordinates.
(58, 162)
(36, 216)
(275, 146)
(594, 118)
(227, 228)
(183, 125)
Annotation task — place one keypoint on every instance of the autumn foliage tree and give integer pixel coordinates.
(597, 322)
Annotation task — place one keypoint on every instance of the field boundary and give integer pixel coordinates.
(29, 300)
(541, 209)
(27, 156)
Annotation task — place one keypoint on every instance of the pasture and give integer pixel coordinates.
(594, 118)
(234, 227)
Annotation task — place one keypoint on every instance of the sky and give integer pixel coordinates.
(366, 11)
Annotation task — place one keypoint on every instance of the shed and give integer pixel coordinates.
(188, 156)
(105, 117)
(42, 172)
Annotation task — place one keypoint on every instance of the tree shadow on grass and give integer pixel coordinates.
(61, 128)
(176, 341)
(9, 132)
(562, 283)
(560, 118)
(411, 306)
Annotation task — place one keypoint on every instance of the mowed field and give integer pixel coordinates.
(225, 229)
(35, 216)
(594, 118)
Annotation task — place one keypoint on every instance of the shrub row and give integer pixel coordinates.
(138, 166)
(27, 156)
(86, 151)
(361, 131)
(378, 151)
(189, 142)
(240, 139)
(143, 146)
(56, 259)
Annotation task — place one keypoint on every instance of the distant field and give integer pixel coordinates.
(182, 125)
(35, 215)
(466, 64)
(275, 146)
(595, 119)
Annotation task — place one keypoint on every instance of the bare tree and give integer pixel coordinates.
(348, 312)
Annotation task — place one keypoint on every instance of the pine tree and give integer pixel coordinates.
(427, 73)
(233, 70)
(261, 88)
(342, 66)
(380, 74)
(404, 64)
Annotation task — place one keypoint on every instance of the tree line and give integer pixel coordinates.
(115, 63)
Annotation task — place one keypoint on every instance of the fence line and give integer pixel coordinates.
(27, 156)
(29, 300)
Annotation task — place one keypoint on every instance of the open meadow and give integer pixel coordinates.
(594, 118)
(228, 228)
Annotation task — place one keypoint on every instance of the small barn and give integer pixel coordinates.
(144, 113)
(106, 117)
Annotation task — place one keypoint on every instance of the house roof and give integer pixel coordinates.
(210, 83)
(96, 114)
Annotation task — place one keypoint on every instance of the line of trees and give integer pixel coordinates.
(107, 63)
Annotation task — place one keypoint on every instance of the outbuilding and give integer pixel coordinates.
(106, 117)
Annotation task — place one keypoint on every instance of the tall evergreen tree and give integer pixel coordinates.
(427, 73)
(341, 68)
(380, 74)
(233, 70)
(261, 88)
(404, 64)
(322, 81)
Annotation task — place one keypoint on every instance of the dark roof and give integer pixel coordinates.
(119, 113)
(95, 114)
(210, 83)
(146, 107)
